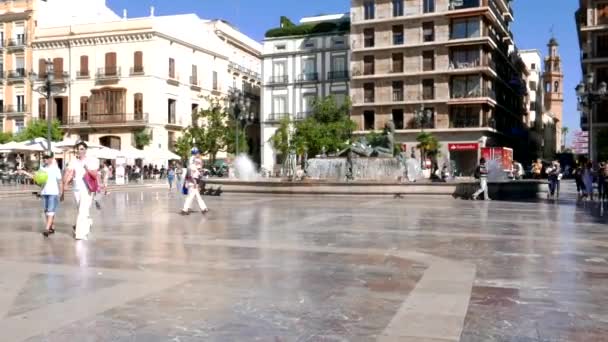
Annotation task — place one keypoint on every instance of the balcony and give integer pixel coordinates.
(303, 115)
(108, 74)
(82, 74)
(17, 75)
(276, 117)
(137, 71)
(276, 80)
(339, 75)
(457, 121)
(243, 70)
(194, 83)
(173, 80)
(398, 96)
(477, 95)
(308, 77)
(14, 109)
(15, 43)
(108, 120)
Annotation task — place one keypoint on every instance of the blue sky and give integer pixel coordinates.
(533, 22)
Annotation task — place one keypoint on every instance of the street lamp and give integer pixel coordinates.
(422, 116)
(47, 89)
(588, 97)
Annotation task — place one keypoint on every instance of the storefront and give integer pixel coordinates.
(463, 158)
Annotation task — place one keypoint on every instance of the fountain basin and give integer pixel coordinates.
(336, 169)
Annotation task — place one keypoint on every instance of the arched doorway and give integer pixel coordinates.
(110, 141)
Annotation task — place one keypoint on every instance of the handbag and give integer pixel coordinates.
(184, 189)
(91, 182)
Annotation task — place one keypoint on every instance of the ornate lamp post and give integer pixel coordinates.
(241, 113)
(48, 87)
(588, 97)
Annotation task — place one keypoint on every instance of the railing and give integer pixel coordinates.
(139, 70)
(303, 115)
(244, 70)
(308, 77)
(106, 73)
(427, 122)
(337, 75)
(16, 74)
(83, 74)
(498, 14)
(397, 96)
(464, 122)
(281, 79)
(8, 109)
(16, 43)
(193, 81)
(109, 119)
(473, 93)
(369, 98)
(463, 4)
(276, 117)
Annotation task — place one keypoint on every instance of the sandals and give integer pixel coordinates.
(48, 232)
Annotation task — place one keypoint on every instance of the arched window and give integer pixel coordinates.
(138, 106)
(556, 87)
(547, 87)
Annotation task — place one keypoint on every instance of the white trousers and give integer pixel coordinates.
(84, 220)
(192, 194)
(483, 183)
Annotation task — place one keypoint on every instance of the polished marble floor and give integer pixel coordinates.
(280, 268)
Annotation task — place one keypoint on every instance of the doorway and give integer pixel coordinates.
(60, 108)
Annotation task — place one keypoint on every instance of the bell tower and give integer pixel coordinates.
(553, 89)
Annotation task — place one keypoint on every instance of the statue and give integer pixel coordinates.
(349, 166)
(363, 149)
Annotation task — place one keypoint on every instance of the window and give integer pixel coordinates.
(428, 89)
(533, 66)
(368, 37)
(428, 6)
(279, 107)
(58, 68)
(428, 31)
(171, 106)
(556, 87)
(171, 68)
(42, 109)
(466, 86)
(19, 125)
(398, 35)
(368, 93)
(547, 87)
(309, 69)
(20, 63)
(369, 118)
(194, 75)
(602, 14)
(1, 125)
(84, 108)
(138, 62)
(397, 62)
(462, 117)
(428, 60)
(42, 69)
(84, 66)
(398, 118)
(532, 85)
(463, 58)
(110, 64)
(368, 65)
(340, 98)
(338, 42)
(138, 106)
(465, 28)
(397, 8)
(532, 106)
(107, 104)
(397, 91)
(19, 33)
(369, 9)
(308, 101)
(601, 45)
(20, 103)
(338, 63)
(280, 47)
(215, 82)
(309, 44)
(278, 69)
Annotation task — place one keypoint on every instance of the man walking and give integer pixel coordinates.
(482, 173)
(83, 172)
(193, 176)
(553, 174)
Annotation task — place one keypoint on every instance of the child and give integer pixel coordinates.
(50, 191)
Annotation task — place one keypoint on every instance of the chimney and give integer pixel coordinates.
(124, 14)
(151, 11)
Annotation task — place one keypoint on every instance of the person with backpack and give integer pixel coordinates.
(481, 173)
(553, 175)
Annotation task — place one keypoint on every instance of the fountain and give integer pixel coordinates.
(244, 169)
(496, 172)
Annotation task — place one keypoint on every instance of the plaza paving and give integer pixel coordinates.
(278, 268)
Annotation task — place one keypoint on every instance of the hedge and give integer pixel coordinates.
(308, 29)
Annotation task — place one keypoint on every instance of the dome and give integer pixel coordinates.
(553, 42)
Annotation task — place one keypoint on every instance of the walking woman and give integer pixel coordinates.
(171, 176)
(588, 180)
(578, 179)
(83, 173)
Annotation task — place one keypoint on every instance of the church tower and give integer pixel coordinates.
(553, 78)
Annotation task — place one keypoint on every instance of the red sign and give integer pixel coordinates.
(503, 155)
(463, 147)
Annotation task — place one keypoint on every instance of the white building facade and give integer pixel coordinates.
(125, 75)
(534, 102)
(297, 70)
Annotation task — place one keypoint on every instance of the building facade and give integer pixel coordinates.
(592, 24)
(445, 67)
(553, 92)
(127, 75)
(297, 70)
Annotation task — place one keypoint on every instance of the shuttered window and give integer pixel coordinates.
(84, 109)
(42, 109)
(110, 64)
(84, 66)
(171, 68)
(138, 106)
(138, 62)
(58, 67)
(41, 68)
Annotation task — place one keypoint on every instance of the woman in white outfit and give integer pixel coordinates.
(76, 172)
(193, 176)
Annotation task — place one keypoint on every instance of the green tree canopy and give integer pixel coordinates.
(5, 137)
(38, 129)
(142, 138)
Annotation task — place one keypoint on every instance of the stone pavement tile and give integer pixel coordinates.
(422, 325)
(383, 338)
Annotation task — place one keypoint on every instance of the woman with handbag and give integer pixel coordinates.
(83, 173)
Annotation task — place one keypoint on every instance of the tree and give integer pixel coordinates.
(280, 140)
(5, 137)
(38, 129)
(142, 138)
(429, 147)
